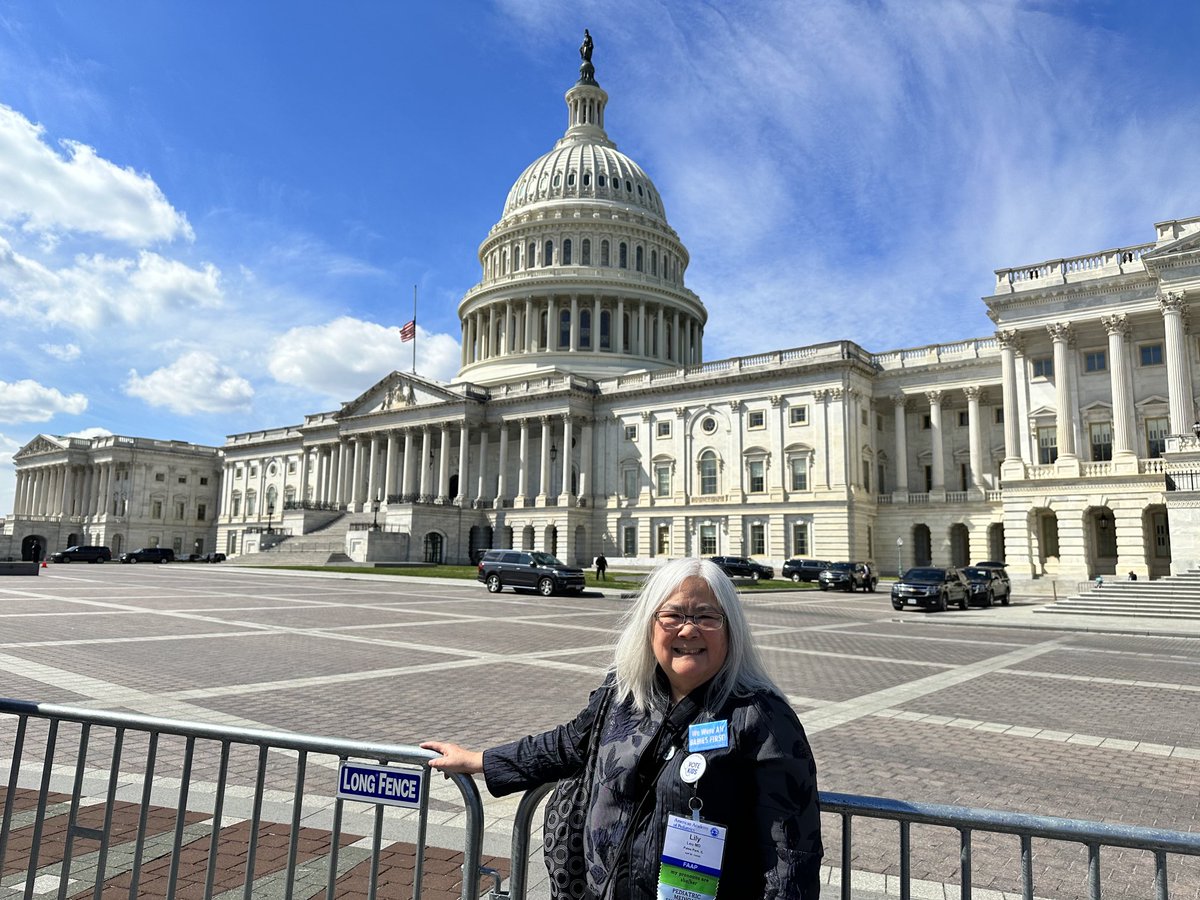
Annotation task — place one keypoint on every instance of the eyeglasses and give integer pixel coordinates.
(673, 621)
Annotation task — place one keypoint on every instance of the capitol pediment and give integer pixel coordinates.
(40, 444)
(395, 392)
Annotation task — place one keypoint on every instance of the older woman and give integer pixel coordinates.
(699, 768)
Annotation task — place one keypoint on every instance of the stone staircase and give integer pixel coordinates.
(1174, 597)
(323, 547)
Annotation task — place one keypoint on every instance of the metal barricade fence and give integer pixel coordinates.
(290, 772)
(966, 820)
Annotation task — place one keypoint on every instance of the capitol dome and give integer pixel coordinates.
(583, 273)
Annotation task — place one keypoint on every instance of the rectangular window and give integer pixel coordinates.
(629, 540)
(863, 416)
(708, 540)
(866, 475)
(926, 422)
(663, 429)
(631, 432)
(254, 471)
(1047, 439)
(1156, 437)
(879, 478)
(177, 545)
(179, 510)
(1100, 434)
(998, 418)
(201, 511)
(1043, 368)
(800, 539)
(756, 419)
(662, 481)
(758, 476)
(156, 509)
(631, 483)
(758, 539)
(798, 468)
(1150, 354)
(964, 418)
(203, 481)
(291, 467)
(237, 472)
(183, 479)
(928, 479)
(798, 415)
(159, 476)
(1095, 361)
(662, 540)
(237, 506)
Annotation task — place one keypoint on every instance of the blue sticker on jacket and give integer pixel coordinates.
(708, 736)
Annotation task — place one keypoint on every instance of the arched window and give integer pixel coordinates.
(542, 341)
(531, 256)
(272, 495)
(605, 330)
(517, 258)
(548, 254)
(504, 263)
(708, 473)
(626, 319)
(587, 179)
(585, 252)
(623, 256)
(653, 262)
(564, 329)
(639, 256)
(600, 180)
(604, 253)
(566, 252)
(571, 179)
(585, 329)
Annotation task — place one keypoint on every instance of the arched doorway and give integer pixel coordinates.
(506, 537)
(996, 542)
(453, 486)
(583, 555)
(922, 545)
(480, 539)
(73, 539)
(1157, 540)
(960, 545)
(551, 540)
(1044, 530)
(33, 548)
(527, 537)
(1101, 532)
(434, 552)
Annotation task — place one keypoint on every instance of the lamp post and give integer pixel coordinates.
(270, 515)
(553, 465)
(375, 509)
(899, 559)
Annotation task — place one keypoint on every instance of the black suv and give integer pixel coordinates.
(988, 584)
(499, 569)
(741, 567)
(847, 576)
(82, 554)
(149, 554)
(804, 569)
(932, 588)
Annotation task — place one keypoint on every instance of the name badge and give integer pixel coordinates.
(691, 860)
(708, 736)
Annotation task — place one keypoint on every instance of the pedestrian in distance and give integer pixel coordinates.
(687, 751)
(601, 567)
(1132, 575)
(1099, 582)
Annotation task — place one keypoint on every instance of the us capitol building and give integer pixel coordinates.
(584, 418)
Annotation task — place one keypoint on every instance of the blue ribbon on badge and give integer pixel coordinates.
(708, 736)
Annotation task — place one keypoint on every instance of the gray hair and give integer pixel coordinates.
(634, 663)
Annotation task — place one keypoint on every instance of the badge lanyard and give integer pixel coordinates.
(693, 848)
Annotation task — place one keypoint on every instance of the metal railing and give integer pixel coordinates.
(282, 755)
(966, 820)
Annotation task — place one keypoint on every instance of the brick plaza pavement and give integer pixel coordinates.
(1031, 719)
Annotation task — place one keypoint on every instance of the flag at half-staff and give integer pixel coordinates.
(408, 331)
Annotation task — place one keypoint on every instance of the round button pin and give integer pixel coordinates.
(693, 767)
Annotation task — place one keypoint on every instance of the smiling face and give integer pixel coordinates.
(689, 657)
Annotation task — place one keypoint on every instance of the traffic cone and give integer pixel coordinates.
(44, 566)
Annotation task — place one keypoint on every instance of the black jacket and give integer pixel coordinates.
(762, 787)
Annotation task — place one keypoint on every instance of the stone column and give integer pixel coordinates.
(568, 437)
(443, 495)
(901, 404)
(336, 465)
(585, 460)
(935, 440)
(425, 465)
(407, 471)
(302, 492)
(643, 348)
(19, 497)
(544, 479)
(1117, 327)
(620, 327)
(739, 423)
(974, 436)
(530, 324)
(502, 467)
(105, 487)
(482, 493)
(574, 323)
(1179, 377)
(523, 465)
(660, 336)
(551, 324)
(1060, 334)
(373, 489)
(676, 341)
(508, 330)
(596, 314)
(464, 443)
(1009, 344)
(355, 470)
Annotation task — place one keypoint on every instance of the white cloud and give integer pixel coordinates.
(94, 431)
(48, 193)
(97, 289)
(344, 357)
(28, 401)
(194, 383)
(63, 352)
(8, 472)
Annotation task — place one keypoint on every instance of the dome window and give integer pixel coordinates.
(531, 256)
(566, 252)
(629, 186)
(604, 253)
(653, 262)
(709, 425)
(557, 179)
(585, 252)
(587, 179)
(571, 180)
(623, 256)
(640, 194)
(548, 255)
(639, 257)
(600, 180)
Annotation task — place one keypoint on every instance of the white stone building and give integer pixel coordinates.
(114, 491)
(584, 419)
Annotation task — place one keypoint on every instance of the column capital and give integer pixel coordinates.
(681, 412)
(1170, 302)
(775, 400)
(1010, 339)
(1118, 324)
(836, 393)
(974, 392)
(900, 400)
(820, 396)
(934, 397)
(735, 406)
(1061, 332)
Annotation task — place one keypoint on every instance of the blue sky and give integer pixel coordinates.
(212, 215)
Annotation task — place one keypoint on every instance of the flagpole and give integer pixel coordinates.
(414, 364)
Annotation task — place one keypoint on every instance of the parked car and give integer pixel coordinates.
(804, 569)
(741, 567)
(932, 588)
(499, 569)
(80, 553)
(189, 557)
(847, 576)
(988, 585)
(213, 557)
(149, 554)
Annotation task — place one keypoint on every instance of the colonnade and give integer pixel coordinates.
(70, 489)
(639, 327)
(974, 396)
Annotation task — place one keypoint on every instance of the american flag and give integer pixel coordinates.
(408, 331)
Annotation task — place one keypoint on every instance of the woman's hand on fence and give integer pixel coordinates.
(454, 759)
